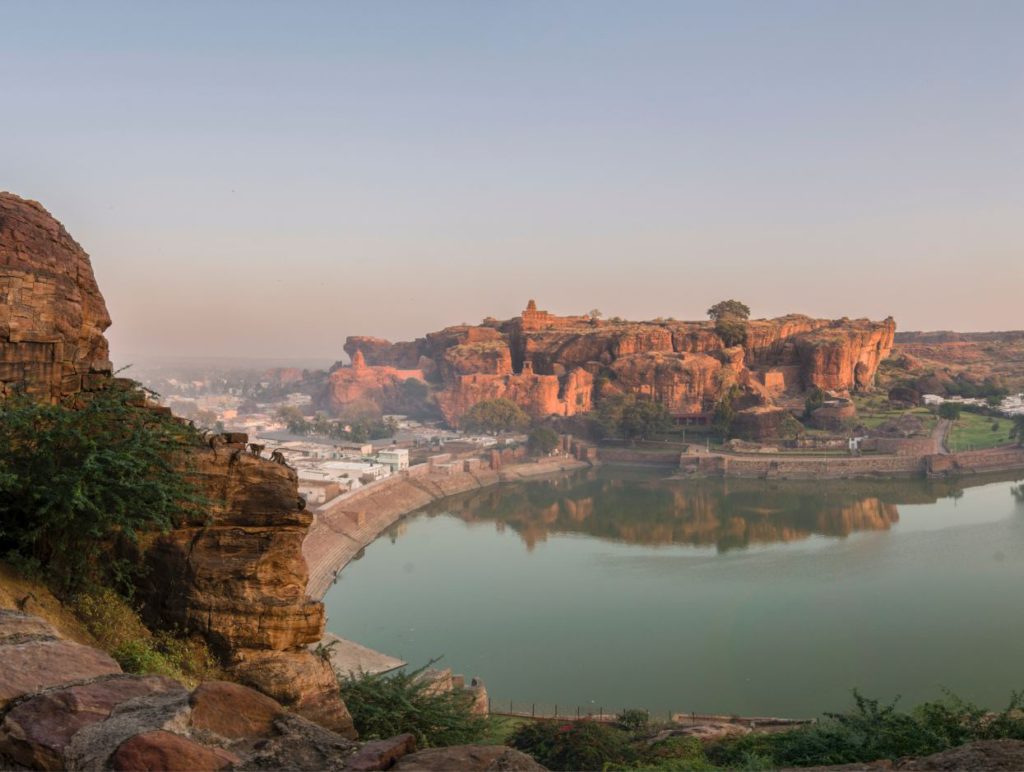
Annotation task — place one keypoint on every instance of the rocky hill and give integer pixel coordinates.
(235, 574)
(560, 365)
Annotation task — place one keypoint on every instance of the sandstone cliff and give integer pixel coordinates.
(234, 574)
(552, 365)
(52, 315)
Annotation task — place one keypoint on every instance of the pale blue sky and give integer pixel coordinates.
(267, 178)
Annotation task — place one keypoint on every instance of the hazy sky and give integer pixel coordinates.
(265, 179)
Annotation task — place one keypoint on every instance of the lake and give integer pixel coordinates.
(615, 588)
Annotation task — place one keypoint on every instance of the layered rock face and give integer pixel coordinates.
(52, 315)
(235, 573)
(552, 365)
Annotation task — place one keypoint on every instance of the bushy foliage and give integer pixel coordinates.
(950, 410)
(542, 440)
(574, 745)
(74, 478)
(815, 399)
(1017, 431)
(729, 308)
(872, 731)
(495, 415)
(119, 631)
(731, 330)
(725, 411)
(632, 417)
(634, 719)
(384, 705)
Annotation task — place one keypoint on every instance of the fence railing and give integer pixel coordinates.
(595, 712)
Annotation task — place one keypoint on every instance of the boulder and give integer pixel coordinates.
(232, 711)
(162, 751)
(381, 754)
(982, 756)
(36, 731)
(35, 665)
(300, 681)
(299, 744)
(468, 758)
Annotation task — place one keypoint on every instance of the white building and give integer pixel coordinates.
(395, 458)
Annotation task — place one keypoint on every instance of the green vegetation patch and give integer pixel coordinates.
(386, 704)
(972, 431)
(76, 480)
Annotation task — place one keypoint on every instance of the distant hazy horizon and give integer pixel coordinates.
(262, 180)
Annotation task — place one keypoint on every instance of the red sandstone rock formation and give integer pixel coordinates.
(549, 365)
(236, 572)
(52, 315)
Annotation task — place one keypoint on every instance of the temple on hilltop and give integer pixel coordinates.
(531, 319)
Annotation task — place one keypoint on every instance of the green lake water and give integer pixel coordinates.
(615, 588)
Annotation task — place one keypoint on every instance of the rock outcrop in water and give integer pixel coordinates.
(236, 573)
(560, 365)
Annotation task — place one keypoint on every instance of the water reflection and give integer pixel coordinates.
(640, 508)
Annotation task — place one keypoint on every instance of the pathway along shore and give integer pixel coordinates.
(348, 524)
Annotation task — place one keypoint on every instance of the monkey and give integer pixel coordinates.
(21, 603)
(255, 449)
(235, 455)
(278, 458)
(302, 503)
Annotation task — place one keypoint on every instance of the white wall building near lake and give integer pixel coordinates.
(395, 458)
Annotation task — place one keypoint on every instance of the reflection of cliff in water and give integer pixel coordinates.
(638, 508)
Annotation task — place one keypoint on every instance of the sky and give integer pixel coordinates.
(264, 179)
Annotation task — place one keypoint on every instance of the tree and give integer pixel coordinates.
(729, 309)
(950, 410)
(730, 318)
(595, 313)
(815, 399)
(725, 411)
(493, 416)
(633, 417)
(293, 419)
(1017, 432)
(542, 441)
(76, 478)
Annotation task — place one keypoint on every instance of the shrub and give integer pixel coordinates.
(76, 478)
(542, 441)
(574, 745)
(119, 631)
(634, 719)
(495, 415)
(874, 731)
(383, 705)
(950, 410)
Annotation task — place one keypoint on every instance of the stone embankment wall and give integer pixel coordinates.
(342, 528)
(822, 467)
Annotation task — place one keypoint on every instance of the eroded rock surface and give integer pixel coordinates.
(233, 572)
(557, 365)
(52, 315)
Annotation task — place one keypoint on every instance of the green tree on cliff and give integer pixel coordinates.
(76, 479)
(730, 318)
(725, 411)
(492, 416)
